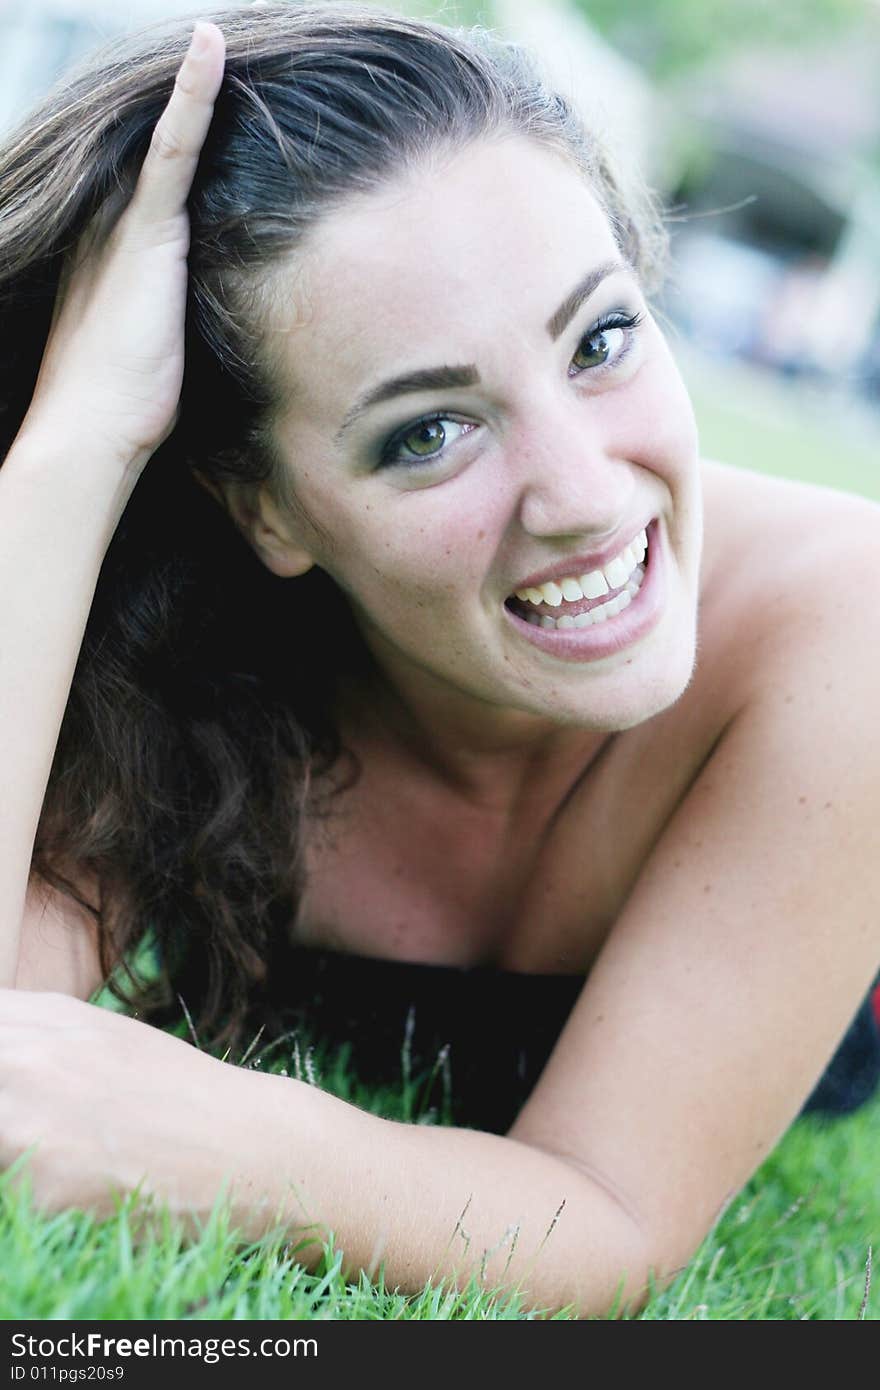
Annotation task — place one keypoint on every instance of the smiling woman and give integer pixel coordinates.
(403, 651)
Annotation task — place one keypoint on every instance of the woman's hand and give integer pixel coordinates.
(113, 1105)
(113, 365)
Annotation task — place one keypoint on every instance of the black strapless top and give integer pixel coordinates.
(497, 1027)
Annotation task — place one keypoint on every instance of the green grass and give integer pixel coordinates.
(793, 1244)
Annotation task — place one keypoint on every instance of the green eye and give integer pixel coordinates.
(422, 441)
(599, 354)
(608, 340)
(426, 439)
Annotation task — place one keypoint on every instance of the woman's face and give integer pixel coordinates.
(551, 443)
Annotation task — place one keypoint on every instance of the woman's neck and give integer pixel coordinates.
(494, 759)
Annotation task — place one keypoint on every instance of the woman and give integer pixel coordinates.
(414, 633)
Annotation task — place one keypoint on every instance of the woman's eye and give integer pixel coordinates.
(607, 343)
(430, 439)
(422, 442)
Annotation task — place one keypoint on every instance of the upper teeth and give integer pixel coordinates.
(594, 584)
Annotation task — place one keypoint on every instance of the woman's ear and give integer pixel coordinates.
(272, 532)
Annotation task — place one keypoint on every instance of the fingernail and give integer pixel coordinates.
(199, 42)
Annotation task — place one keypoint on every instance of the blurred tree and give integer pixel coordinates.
(666, 38)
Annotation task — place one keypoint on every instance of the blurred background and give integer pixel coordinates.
(759, 127)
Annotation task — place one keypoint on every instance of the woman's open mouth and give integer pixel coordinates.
(593, 614)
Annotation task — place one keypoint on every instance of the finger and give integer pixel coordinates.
(170, 164)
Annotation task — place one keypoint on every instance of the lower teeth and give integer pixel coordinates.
(600, 614)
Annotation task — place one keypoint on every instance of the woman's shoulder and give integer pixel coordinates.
(785, 569)
(786, 522)
(783, 560)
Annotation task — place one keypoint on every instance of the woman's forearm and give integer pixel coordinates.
(58, 511)
(432, 1202)
(106, 396)
(427, 1203)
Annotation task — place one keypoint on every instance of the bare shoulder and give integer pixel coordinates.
(59, 944)
(751, 932)
(784, 568)
(777, 524)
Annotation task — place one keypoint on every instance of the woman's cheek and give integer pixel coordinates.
(662, 413)
(440, 548)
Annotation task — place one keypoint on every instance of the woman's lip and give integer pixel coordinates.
(575, 567)
(615, 634)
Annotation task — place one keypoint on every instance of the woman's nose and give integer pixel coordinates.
(572, 481)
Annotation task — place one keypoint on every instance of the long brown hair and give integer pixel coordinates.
(191, 736)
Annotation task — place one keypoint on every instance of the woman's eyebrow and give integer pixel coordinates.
(444, 378)
(559, 321)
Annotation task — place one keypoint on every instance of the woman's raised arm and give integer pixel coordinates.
(105, 399)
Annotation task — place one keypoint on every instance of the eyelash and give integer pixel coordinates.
(628, 322)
